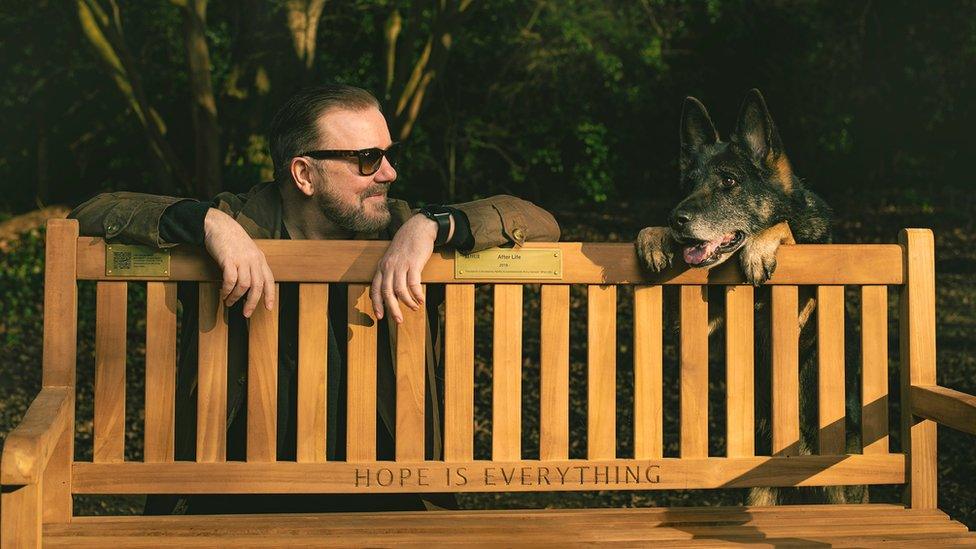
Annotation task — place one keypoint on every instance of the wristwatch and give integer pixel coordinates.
(442, 216)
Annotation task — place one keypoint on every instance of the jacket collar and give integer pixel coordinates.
(261, 214)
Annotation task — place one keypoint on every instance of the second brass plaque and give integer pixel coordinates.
(514, 263)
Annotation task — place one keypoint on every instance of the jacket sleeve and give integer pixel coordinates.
(125, 217)
(503, 219)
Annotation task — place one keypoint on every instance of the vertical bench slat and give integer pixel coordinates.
(830, 353)
(60, 352)
(554, 364)
(648, 373)
(694, 371)
(160, 371)
(212, 376)
(785, 384)
(459, 373)
(410, 356)
(262, 384)
(361, 386)
(874, 368)
(313, 346)
(740, 362)
(110, 339)
(60, 303)
(601, 371)
(507, 374)
(917, 355)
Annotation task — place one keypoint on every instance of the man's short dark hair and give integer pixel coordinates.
(293, 128)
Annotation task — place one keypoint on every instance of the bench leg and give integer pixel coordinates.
(56, 481)
(20, 516)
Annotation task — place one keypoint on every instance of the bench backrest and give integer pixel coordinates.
(603, 268)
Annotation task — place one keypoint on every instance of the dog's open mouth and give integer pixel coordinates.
(702, 253)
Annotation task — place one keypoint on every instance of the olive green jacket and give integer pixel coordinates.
(135, 218)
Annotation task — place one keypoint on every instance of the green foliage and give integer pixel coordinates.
(562, 102)
(22, 288)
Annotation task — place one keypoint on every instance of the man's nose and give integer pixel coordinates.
(679, 219)
(387, 173)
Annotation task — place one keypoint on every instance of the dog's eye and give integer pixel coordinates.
(729, 182)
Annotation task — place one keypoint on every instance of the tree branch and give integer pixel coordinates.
(303, 22)
(409, 96)
(105, 36)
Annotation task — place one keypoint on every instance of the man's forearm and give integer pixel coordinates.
(182, 223)
(125, 216)
(503, 219)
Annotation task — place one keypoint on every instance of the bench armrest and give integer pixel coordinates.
(945, 406)
(28, 448)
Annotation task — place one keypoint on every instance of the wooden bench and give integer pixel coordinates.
(40, 474)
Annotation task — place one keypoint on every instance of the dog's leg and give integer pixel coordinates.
(758, 255)
(655, 248)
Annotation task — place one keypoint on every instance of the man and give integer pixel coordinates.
(334, 163)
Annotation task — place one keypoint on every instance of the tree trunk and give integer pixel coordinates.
(406, 94)
(303, 22)
(43, 158)
(206, 130)
(105, 36)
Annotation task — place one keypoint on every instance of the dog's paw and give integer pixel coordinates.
(654, 248)
(758, 260)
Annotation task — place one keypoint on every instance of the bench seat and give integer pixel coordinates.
(784, 526)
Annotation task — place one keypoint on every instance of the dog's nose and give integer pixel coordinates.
(680, 219)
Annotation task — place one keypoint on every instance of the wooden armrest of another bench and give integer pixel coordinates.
(945, 406)
(28, 448)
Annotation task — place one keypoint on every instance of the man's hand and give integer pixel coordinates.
(243, 265)
(398, 272)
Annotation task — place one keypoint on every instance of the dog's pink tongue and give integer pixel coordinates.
(695, 255)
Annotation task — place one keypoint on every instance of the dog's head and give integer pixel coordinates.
(732, 189)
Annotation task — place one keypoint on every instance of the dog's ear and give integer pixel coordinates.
(756, 133)
(755, 130)
(697, 129)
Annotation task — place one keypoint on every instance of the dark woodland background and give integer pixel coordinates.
(573, 104)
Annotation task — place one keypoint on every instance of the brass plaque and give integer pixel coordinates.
(126, 260)
(510, 263)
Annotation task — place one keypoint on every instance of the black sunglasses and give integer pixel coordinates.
(369, 159)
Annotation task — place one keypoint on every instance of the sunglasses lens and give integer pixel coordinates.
(393, 155)
(370, 160)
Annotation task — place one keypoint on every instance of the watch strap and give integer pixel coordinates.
(442, 216)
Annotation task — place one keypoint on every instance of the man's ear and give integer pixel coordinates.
(697, 129)
(755, 130)
(301, 175)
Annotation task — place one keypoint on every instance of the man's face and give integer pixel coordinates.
(354, 202)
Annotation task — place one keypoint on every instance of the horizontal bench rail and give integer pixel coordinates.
(354, 261)
(485, 476)
(945, 406)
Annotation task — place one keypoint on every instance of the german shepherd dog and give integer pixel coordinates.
(742, 196)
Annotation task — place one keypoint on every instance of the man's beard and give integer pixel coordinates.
(355, 217)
